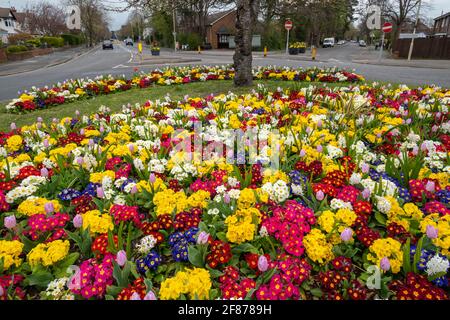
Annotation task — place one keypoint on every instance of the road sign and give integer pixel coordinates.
(387, 27)
(288, 25)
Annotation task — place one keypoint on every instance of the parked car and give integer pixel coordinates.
(341, 42)
(128, 42)
(362, 43)
(328, 42)
(107, 44)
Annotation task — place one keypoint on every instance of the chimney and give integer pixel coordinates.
(13, 9)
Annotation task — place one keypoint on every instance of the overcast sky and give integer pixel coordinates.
(118, 19)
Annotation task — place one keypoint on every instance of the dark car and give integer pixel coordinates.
(128, 42)
(107, 44)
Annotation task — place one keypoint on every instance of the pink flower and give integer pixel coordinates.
(152, 178)
(2, 292)
(134, 190)
(46, 143)
(347, 235)
(202, 238)
(80, 161)
(365, 168)
(226, 198)
(430, 186)
(44, 172)
(10, 222)
(121, 258)
(100, 193)
(263, 264)
(131, 147)
(49, 207)
(319, 148)
(150, 296)
(415, 151)
(13, 127)
(366, 193)
(385, 264)
(432, 232)
(320, 195)
(319, 123)
(77, 221)
(302, 153)
(135, 296)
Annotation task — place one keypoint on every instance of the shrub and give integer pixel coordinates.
(193, 40)
(19, 38)
(35, 42)
(54, 42)
(72, 39)
(16, 48)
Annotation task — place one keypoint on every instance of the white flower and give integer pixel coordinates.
(234, 193)
(263, 231)
(336, 204)
(213, 212)
(383, 205)
(146, 244)
(297, 189)
(355, 178)
(436, 265)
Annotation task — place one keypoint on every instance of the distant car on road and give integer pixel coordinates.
(128, 42)
(108, 44)
(341, 42)
(328, 42)
(362, 43)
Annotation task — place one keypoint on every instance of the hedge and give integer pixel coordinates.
(55, 42)
(15, 49)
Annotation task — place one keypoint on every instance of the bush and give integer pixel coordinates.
(72, 39)
(19, 38)
(35, 42)
(193, 40)
(16, 48)
(54, 42)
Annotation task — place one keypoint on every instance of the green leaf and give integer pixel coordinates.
(113, 290)
(417, 254)
(39, 278)
(109, 297)
(316, 292)
(244, 247)
(195, 256)
(380, 218)
(268, 275)
(406, 256)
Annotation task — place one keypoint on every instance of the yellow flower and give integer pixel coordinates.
(199, 199)
(317, 247)
(242, 225)
(97, 222)
(389, 248)
(48, 253)
(34, 206)
(10, 252)
(169, 201)
(442, 223)
(194, 282)
(14, 143)
(246, 199)
(97, 177)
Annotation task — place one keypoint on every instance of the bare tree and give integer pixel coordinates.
(45, 18)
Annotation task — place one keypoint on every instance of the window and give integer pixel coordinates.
(223, 38)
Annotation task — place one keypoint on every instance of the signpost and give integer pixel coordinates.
(387, 27)
(288, 27)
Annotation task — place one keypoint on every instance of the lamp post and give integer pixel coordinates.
(174, 28)
(411, 46)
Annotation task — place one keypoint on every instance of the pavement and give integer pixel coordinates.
(126, 61)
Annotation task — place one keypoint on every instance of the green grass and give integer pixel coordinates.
(115, 101)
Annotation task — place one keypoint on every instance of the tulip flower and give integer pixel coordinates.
(100, 193)
(77, 221)
(347, 235)
(263, 264)
(150, 296)
(385, 264)
(49, 207)
(10, 222)
(202, 238)
(432, 232)
(121, 258)
(320, 195)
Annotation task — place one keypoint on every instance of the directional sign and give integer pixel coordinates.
(387, 27)
(288, 25)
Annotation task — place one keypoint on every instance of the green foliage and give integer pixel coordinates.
(162, 24)
(55, 42)
(35, 42)
(16, 49)
(19, 38)
(271, 38)
(72, 39)
(193, 40)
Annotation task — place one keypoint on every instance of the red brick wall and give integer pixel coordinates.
(3, 56)
(228, 21)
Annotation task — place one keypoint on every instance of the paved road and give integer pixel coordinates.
(120, 61)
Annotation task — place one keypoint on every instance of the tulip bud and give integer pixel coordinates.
(91, 142)
(150, 296)
(408, 121)
(10, 222)
(80, 161)
(44, 172)
(263, 264)
(415, 151)
(77, 221)
(385, 264)
(320, 195)
(319, 148)
(432, 232)
(347, 235)
(100, 193)
(2, 291)
(46, 143)
(152, 178)
(131, 147)
(49, 207)
(319, 123)
(202, 238)
(102, 129)
(134, 190)
(430, 186)
(121, 258)
(226, 198)
(302, 153)
(39, 119)
(365, 168)
(366, 193)
(13, 126)
(77, 113)
(135, 296)
(308, 130)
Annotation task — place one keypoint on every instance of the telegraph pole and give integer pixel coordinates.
(411, 46)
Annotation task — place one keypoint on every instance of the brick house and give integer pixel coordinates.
(219, 27)
(442, 25)
(8, 23)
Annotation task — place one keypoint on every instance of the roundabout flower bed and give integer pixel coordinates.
(73, 90)
(346, 198)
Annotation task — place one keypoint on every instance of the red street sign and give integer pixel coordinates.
(387, 27)
(288, 25)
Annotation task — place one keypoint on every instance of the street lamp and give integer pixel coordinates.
(411, 46)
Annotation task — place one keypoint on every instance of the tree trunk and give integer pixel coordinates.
(245, 20)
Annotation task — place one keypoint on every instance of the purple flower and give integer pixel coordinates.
(39, 119)
(82, 132)
(430, 186)
(152, 178)
(226, 198)
(150, 296)
(366, 193)
(131, 147)
(121, 258)
(423, 146)
(77, 221)
(385, 264)
(77, 113)
(347, 235)
(100, 193)
(319, 148)
(263, 264)
(49, 207)
(80, 161)
(415, 151)
(365, 168)
(135, 296)
(46, 143)
(319, 123)
(13, 127)
(44, 172)
(2, 292)
(202, 238)
(10, 222)
(320, 195)
(432, 232)
(302, 153)
(408, 121)
(134, 190)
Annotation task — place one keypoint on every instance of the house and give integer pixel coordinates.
(442, 25)
(8, 23)
(407, 29)
(220, 26)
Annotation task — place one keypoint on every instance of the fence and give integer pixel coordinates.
(428, 48)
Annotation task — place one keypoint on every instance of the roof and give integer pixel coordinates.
(4, 12)
(20, 16)
(442, 16)
(215, 17)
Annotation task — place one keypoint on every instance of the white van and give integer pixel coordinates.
(328, 42)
